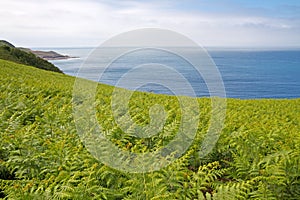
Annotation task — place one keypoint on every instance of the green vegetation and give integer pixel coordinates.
(42, 157)
(11, 53)
(5, 43)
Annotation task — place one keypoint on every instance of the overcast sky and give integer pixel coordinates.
(63, 23)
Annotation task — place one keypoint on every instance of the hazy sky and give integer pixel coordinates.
(59, 23)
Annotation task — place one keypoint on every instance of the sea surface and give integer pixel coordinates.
(246, 73)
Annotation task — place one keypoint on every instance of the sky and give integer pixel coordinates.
(79, 23)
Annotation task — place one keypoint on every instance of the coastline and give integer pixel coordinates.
(48, 55)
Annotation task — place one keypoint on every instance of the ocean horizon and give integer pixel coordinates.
(247, 73)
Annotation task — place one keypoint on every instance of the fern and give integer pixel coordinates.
(41, 156)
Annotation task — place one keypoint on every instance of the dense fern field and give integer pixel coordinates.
(42, 157)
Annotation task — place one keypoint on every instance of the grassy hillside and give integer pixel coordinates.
(11, 53)
(42, 157)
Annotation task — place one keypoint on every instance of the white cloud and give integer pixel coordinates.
(88, 23)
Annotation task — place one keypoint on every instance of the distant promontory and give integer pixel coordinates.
(29, 57)
(47, 55)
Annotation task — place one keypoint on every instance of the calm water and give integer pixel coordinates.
(246, 74)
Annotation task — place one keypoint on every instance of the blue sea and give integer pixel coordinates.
(246, 73)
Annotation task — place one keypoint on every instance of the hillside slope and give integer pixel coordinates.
(42, 157)
(5, 43)
(11, 53)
